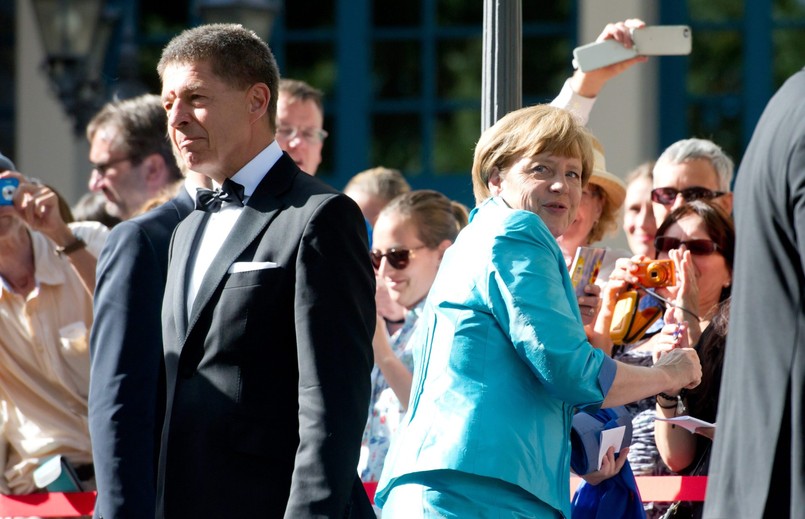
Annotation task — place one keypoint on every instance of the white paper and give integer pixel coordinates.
(610, 438)
(687, 422)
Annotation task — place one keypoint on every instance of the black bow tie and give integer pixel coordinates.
(210, 200)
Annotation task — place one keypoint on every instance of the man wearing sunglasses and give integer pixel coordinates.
(691, 169)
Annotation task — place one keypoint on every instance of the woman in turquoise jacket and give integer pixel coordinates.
(501, 360)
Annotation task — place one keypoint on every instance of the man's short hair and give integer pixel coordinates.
(237, 56)
(298, 90)
(140, 125)
(693, 149)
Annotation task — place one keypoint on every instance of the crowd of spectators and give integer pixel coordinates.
(482, 349)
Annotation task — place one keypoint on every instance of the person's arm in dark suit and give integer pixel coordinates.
(125, 405)
(335, 320)
(796, 170)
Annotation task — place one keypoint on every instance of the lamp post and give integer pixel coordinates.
(75, 34)
(502, 81)
(257, 15)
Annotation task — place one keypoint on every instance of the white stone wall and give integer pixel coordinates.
(625, 115)
(46, 146)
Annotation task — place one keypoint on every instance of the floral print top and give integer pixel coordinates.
(385, 410)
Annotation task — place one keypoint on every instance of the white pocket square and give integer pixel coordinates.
(248, 266)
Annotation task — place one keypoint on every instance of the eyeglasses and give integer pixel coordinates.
(310, 135)
(696, 247)
(667, 195)
(397, 258)
(104, 166)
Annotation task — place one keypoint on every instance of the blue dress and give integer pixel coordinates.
(501, 361)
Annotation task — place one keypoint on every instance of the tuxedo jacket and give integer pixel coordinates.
(268, 380)
(127, 387)
(758, 463)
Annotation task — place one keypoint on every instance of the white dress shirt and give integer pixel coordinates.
(220, 224)
(574, 103)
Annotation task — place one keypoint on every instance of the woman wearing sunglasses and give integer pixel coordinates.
(409, 239)
(700, 238)
(501, 359)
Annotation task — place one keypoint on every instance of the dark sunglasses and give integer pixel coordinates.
(667, 195)
(397, 258)
(696, 247)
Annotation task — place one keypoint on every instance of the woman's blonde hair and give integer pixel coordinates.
(435, 217)
(528, 132)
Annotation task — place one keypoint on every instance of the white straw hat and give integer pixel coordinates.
(612, 185)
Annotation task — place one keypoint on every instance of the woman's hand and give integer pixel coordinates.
(618, 282)
(627, 268)
(392, 368)
(687, 294)
(389, 312)
(589, 304)
(589, 84)
(380, 342)
(682, 367)
(609, 466)
(616, 285)
(673, 335)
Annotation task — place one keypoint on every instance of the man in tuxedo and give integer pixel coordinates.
(758, 464)
(269, 306)
(127, 387)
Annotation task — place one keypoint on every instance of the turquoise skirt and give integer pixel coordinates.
(458, 495)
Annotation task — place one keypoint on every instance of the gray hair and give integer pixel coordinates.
(692, 149)
(140, 125)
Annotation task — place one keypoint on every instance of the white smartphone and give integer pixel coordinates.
(654, 40)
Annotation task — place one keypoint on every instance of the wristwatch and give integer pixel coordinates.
(76, 244)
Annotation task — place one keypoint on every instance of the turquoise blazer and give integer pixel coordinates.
(501, 362)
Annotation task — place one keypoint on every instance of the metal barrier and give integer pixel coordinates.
(77, 504)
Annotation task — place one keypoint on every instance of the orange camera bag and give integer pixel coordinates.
(629, 323)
